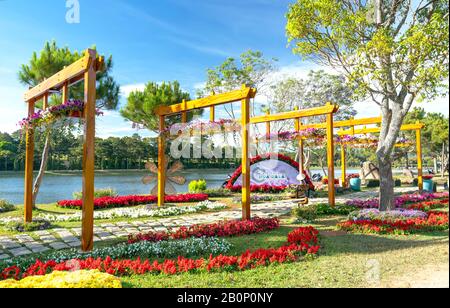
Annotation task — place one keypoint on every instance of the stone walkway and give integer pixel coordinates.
(58, 239)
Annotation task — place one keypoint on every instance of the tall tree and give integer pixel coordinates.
(141, 104)
(395, 51)
(252, 69)
(50, 60)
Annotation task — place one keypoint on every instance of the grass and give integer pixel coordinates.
(343, 261)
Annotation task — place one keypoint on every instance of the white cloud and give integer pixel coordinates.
(126, 90)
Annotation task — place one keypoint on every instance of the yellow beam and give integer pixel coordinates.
(374, 130)
(72, 71)
(87, 224)
(161, 163)
(29, 161)
(213, 100)
(246, 211)
(347, 123)
(327, 109)
(330, 160)
(419, 159)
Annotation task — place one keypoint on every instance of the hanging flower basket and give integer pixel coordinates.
(69, 109)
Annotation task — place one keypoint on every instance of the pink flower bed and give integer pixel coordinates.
(399, 201)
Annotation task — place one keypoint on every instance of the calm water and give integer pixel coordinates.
(60, 186)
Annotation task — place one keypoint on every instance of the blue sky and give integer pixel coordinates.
(150, 41)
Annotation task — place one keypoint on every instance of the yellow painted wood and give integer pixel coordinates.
(212, 114)
(161, 162)
(213, 100)
(184, 114)
(45, 102)
(330, 160)
(347, 123)
(419, 159)
(87, 225)
(29, 159)
(343, 166)
(246, 211)
(327, 109)
(375, 130)
(301, 145)
(77, 69)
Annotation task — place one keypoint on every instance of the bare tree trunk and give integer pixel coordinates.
(43, 167)
(443, 164)
(386, 185)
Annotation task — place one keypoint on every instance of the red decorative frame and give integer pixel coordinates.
(230, 185)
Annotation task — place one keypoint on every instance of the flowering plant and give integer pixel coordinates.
(221, 229)
(325, 181)
(374, 214)
(428, 177)
(301, 243)
(346, 139)
(199, 127)
(400, 201)
(126, 201)
(352, 176)
(71, 108)
(435, 221)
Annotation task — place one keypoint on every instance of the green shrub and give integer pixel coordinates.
(398, 183)
(305, 213)
(6, 206)
(325, 209)
(373, 183)
(37, 224)
(197, 186)
(99, 193)
(218, 192)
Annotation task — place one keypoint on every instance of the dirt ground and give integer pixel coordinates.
(431, 276)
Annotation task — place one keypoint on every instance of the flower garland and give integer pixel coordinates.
(435, 221)
(126, 201)
(221, 229)
(301, 243)
(230, 185)
(199, 127)
(71, 108)
(138, 212)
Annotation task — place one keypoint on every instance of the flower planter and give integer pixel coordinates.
(355, 184)
(428, 185)
(76, 114)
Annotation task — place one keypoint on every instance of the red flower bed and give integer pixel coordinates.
(301, 242)
(257, 188)
(325, 181)
(435, 221)
(221, 229)
(427, 206)
(125, 201)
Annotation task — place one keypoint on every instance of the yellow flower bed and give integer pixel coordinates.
(74, 280)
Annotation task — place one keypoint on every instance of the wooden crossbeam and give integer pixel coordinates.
(346, 123)
(69, 75)
(296, 114)
(210, 101)
(374, 130)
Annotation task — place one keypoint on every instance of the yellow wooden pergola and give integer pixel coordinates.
(84, 69)
(348, 128)
(243, 95)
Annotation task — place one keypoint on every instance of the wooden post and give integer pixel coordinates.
(65, 93)
(246, 211)
(87, 233)
(343, 166)
(29, 161)
(330, 160)
(268, 128)
(419, 159)
(212, 114)
(184, 114)
(301, 144)
(161, 163)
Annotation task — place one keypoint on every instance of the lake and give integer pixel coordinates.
(61, 185)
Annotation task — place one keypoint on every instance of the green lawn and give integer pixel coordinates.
(342, 262)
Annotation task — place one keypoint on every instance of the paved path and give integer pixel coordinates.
(58, 239)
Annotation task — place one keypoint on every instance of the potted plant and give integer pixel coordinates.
(428, 184)
(355, 182)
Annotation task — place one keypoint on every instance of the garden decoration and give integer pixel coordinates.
(244, 95)
(348, 132)
(84, 69)
(170, 178)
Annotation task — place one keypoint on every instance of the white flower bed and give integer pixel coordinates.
(138, 212)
